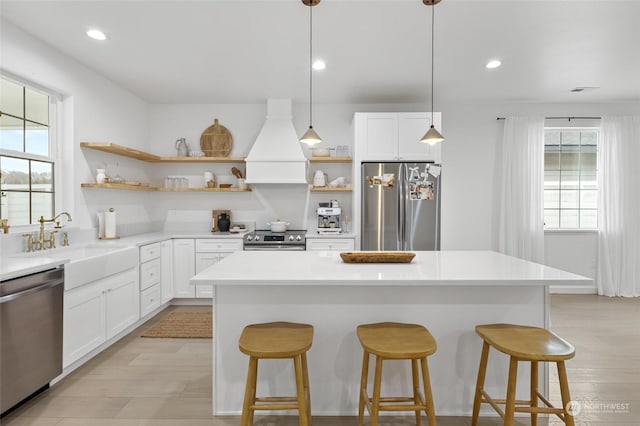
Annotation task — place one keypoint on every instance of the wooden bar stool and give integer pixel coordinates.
(277, 340)
(523, 343)
(389, 341)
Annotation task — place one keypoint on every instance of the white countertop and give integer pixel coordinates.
(20, 264)
(427, 268)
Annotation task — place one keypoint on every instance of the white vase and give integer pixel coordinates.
(100, 175)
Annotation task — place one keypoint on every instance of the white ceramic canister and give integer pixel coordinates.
(100, 175)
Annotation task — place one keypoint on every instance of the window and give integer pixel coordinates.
(26, 160)
(570, 179)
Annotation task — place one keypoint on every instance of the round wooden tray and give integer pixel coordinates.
(216, 141)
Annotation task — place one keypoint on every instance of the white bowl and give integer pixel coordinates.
(320, 152)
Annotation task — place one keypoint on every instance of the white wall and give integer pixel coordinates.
(94, 109)
(97, 109)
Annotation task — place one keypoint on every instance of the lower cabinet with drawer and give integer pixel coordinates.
(210, 251)
(330, 244)
(150, 299)
(150, 289)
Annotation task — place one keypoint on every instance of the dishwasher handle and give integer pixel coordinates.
(48, 284)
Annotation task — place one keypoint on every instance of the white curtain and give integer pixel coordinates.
(521, 231)
(619, 207)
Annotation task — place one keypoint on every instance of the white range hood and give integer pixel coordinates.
(276, 156)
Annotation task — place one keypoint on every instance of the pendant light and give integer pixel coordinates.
(310, 137)
(432, 136)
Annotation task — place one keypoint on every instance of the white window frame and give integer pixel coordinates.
(55, 151)
(575, 124)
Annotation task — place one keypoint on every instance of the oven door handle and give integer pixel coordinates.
(274, 248)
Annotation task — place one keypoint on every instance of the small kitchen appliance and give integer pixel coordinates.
(268, 240)
(329, 220)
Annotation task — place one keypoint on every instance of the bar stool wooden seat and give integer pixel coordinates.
(523, 343)
(277, 340)
(396, 341)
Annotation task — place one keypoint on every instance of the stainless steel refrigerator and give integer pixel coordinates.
(400, 206)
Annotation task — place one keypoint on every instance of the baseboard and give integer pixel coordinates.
(571, 289)
(191, 302)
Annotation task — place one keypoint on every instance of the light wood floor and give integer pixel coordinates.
(142, 381)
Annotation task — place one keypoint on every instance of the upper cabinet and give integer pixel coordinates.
(395, 136)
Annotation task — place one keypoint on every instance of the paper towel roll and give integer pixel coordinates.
(110, 224)
(100, 224)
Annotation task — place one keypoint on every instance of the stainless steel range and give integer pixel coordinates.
(267, 240)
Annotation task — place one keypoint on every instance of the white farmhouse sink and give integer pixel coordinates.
(92, 261)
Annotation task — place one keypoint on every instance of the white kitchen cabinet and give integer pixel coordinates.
(150, 276)
(149, 273)
(208, 252)
(166, 270)
(97, 311)
(395, 137)
(150, 299)
(330, 244)
(184, 267)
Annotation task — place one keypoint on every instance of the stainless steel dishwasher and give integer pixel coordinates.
(30, 334)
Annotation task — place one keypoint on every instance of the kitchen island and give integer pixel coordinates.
(449, 292)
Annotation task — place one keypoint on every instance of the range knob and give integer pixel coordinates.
(249, 238)
(290, 237)
(299, 238)
(257, 237)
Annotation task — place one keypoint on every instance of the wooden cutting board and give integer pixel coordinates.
(377, 257)
(216, 140)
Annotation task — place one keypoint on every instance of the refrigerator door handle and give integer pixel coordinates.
(401, 206)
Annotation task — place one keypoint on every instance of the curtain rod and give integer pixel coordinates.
(563, 118)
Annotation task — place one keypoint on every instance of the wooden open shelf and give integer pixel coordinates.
(113, 148)
(328, 189)
(153, 188)
(203, 190)
(118, 186)
(330, 159)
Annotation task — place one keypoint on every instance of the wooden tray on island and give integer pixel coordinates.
(377, 256)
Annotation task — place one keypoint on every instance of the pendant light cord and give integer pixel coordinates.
(433, 20)
(311, 65)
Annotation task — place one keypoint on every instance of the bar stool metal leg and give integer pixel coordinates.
(428, 397)
(534, 392)
(482, 371)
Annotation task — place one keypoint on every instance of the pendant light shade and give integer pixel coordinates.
(310, 137)
(432, 136)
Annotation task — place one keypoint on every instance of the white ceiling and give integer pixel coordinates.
(377, 51)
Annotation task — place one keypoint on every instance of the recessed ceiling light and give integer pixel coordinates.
(493, 64)
(96, 35)
(319, 65)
